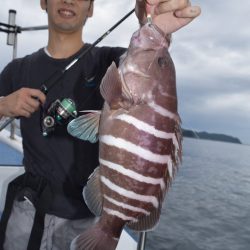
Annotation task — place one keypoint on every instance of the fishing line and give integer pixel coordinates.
(57, 76)
(162, 42)
(150, 12)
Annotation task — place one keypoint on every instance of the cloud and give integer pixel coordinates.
(211, 55)
(229, 103)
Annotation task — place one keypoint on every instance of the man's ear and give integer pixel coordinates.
(91, 9)
(43, 4)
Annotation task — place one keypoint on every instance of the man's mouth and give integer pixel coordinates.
(66, 13)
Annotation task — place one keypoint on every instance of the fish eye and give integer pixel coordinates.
(162, 61)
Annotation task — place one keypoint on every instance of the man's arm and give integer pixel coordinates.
(168, 15)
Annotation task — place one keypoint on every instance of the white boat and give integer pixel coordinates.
(10, 162)
(10, 167)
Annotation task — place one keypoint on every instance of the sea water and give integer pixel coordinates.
(208, 205)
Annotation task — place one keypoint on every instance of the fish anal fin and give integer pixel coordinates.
(85, 127)
(92, 193)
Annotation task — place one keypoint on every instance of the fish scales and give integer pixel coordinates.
(132, 181)
(132, 173)
(112, 189)
(154, 140)
(134, 162)
(148, 206)
(139, 141)
(124, 208)
(163, 123)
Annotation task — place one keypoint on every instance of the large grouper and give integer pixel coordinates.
(139, 141)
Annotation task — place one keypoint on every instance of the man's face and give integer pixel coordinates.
(67, 16)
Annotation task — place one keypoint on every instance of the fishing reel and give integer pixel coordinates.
(59, 112)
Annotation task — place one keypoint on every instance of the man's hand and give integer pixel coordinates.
(168, 15)
(22, 102)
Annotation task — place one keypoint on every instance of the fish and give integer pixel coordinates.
(140, 141)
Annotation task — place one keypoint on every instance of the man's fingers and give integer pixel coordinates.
(33, 103)
(29, 109)
(189, 12)
(25, 113)
(171, 5)
(39, 95)
(153, 2)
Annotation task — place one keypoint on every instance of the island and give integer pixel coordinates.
(210, 136)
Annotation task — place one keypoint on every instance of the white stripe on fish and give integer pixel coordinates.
(170, 168)
(133, 174)
(126, 206)
(143, 126)
(134, 149)
(162, 111)
(119, 214)
(130, 194)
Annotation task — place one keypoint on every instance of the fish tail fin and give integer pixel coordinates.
(94, 238)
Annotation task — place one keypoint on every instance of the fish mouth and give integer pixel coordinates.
(66, 13)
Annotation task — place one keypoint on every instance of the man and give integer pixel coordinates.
(44, 207)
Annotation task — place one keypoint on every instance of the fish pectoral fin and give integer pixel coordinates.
(146, 222)
(85, 127)
(112, 89)
(92, 193)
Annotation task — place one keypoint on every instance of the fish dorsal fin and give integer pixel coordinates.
(147, 222)
(92, 193)
(85, 127)
(126, 91)
(112, 88)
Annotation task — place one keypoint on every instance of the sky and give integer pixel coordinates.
(211, 56)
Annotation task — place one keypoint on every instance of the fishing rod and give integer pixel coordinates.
(14, 28)
(57, 76)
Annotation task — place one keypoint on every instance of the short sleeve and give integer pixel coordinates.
(6, 80)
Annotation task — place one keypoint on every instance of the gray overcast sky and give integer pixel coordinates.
(211, 55)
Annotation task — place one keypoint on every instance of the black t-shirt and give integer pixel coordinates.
(64, 161)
